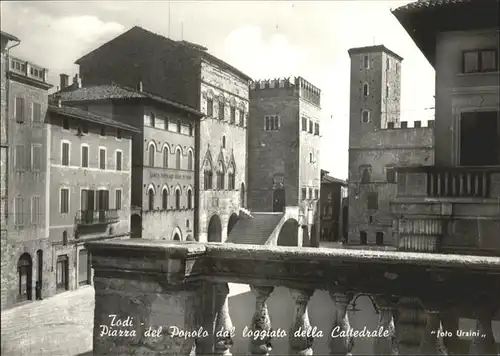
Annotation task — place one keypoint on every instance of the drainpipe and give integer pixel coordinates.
(7, 126)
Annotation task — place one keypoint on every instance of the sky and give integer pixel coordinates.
(264, 39)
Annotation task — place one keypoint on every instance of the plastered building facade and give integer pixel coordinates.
(378, 141)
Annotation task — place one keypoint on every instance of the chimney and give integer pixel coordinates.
(77, 82)
(64, 81)
(139, 86)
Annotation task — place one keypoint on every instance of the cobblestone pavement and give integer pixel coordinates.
(56, 326)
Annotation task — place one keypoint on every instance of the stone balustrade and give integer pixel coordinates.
(451, 182)
(147, 287)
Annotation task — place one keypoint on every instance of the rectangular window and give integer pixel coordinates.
(316, 129)
(35, 210)
(390, 174)
(242, 118)
(221, 110)
(304, 124)
(64, 203)
(372, 201)
(65, 124)
(404, 124)
(233, 115)
(118, 199)
(83, 268)
(210, 107)
(102, 158)
(19, 110)
(65, 154)
(310, 126)
(304, 194)
(62, 273)
(20, 156)
(37, 112)
(147, 120)
(366, 62)
(36, 158)
(480, 61)
(417, 124)
(118, 160)
(19, 211)
(85, 156)
(390, 125)
(272, 123)
(316, 193)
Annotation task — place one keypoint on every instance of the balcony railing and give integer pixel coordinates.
(96, 217)
(177, 286)
(445, 182)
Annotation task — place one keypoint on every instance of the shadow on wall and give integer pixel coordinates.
(281, 310)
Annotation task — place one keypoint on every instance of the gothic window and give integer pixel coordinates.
(178, 199)
(178, 158)
(164, 199)
(366, 91)
(220, 176)
(151, 199)
(207, 175)
(151, 154)
(165, 157)
(231, 184)
(190, 160)
(189, 200)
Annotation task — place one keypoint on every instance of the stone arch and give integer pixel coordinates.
(151, 192)
(208, 172)
(25, 277)
(233, 219)
(289, 233)
(214, 232)
(164, 197)
(178, 196)
(190, 155)
(135, 226)
(176, 234)
(166, 154)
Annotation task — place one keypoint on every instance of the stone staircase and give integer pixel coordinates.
(245, 213)
(254, 228)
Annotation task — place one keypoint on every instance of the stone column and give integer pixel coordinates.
(385, 343)
(301, 344)
(223, 324)
(261, 321)
(145, 298)
(341, 345)
(483, 342)
(450, 326)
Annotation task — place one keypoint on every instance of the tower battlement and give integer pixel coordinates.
(305, 89)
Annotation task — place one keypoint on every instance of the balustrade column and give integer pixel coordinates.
(261, 321)
(483, 342)
(429, 343)
(410, 323)
(450, 326)
(302, 343)
(341, 345)
(385, 343)
(223, 324)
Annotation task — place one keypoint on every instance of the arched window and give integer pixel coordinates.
(151, 199)
(220, 176)
(366, 175)
(365, 89)
(24, 272)
(179, 126)
(366, 116)
(153, 119)
(178, 158)
(189, 200)
(164, 199)
(207, 175)
(231, 184)
(223, 141)
(178, 199)
(190, 160)
(165, 157)
(151, 153)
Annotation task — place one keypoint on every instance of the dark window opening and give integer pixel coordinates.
(19, 113)
(363, 238)
(179, 126)
(390, 125)
(210, 107)
(390, 175)
(480, 138)
(151, 199)
(189, 201)
(304, 124)
(365, 176)
(404, 124)
(223, 141)
(372, 201)
(417, 124)
(119, 133)
(164, 199)
(103, 131)
(233, 115)
(62, 272)
(480, 61)
(365, 89)
(379, 238)
(83, 268)
(178, 199)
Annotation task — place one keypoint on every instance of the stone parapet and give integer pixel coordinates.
(160, 284)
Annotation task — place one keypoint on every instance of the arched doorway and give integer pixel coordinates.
(39, 276)
(289, 233)
(232, 221)
(24, 272)
(177, 237)
(214, 229)
(242, 196)
(136, 226)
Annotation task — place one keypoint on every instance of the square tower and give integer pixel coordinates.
(284, 142)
